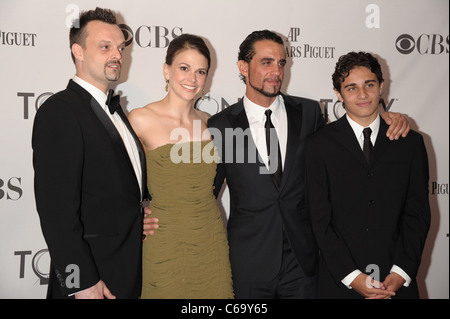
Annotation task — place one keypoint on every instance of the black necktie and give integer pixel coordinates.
(113, 101)
(270, 130)
(367, 147)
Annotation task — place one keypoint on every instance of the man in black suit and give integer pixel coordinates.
(368, 196)
(272, 249)
(90, 173)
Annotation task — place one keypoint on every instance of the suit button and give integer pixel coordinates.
(370, 175)
(371, 202)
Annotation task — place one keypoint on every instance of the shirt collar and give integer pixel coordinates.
(258, 111)
(358, 129)
(96, 93)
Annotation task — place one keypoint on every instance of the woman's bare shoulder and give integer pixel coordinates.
(146, 112)
(145, 117)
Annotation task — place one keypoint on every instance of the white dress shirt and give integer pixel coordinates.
(257, 120)
(127, 138)
(358, 130)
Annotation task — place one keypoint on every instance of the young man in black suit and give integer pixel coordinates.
(87, 158)
(368, 196)
(272, 249)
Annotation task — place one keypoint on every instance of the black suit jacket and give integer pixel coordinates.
(365, 215)
(87, 196)
(259, 211)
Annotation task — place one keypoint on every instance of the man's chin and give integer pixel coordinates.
(112, 76)
(268, 94)
(273, 93)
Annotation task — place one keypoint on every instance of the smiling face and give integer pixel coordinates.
(360, 92)
(187, 74)
(264, 73)
(99, 61)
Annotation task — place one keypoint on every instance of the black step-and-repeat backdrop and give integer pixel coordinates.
(410, 37)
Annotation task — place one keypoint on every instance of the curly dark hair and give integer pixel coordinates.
(351, 60)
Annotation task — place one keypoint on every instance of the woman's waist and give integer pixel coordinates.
(165, 201)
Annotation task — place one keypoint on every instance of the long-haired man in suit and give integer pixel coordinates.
(87, 158)
(272, 249)
(368, 196)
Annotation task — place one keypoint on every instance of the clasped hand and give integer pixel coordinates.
(373, 289)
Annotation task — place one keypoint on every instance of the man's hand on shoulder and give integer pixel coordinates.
(398, 125)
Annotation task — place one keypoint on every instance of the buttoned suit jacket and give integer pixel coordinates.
(367, 216)
(87, 196)
(259, 211)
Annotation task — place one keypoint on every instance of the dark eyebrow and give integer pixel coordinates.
(272, 59)
(353, 84)
(349, 85)
(188, 65)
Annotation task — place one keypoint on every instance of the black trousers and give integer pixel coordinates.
(290, 283)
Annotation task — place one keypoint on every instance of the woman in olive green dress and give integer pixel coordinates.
(187, 257)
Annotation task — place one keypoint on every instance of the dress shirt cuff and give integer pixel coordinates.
(76, 292)
(73, 294)
(350, 277)
(400, 272)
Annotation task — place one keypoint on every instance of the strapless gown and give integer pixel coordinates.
(187, 257)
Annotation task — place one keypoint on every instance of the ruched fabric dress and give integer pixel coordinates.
(187, 257)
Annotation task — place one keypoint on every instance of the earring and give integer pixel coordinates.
(203, 94)
(167, 85)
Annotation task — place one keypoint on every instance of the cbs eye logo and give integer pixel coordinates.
(424, 44)
(405, 44)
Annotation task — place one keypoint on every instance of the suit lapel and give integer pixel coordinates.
(349, 140)
(294, 120)
(111, 129)
(346, 137)
(142, 158)
(101, 115)
(239, 120)
(238, 117)
(109, 126)
(382, 142)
